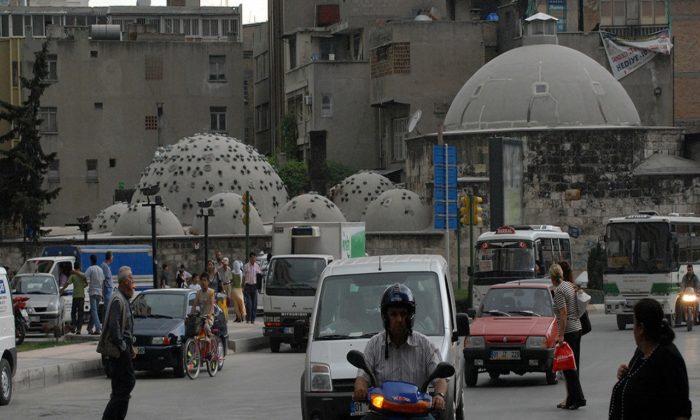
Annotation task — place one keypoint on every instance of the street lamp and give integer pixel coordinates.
(206, 212)
(84, 225)
(149, 192)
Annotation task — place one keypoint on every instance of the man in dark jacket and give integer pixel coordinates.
(119, 328)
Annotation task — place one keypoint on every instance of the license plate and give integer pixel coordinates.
(358, 408)
(140, 350)
(505, 355)
(288, 330)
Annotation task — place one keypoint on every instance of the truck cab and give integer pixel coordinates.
(288, 296)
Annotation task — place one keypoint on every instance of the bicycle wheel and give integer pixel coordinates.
(213, 361)
(221, 350)
(192, 358)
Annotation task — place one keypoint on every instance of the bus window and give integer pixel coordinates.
(654, 252)
(548, 253)
(565, 247)
(683, 240)
(694, 240)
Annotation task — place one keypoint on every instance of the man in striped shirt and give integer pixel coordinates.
(398, 353)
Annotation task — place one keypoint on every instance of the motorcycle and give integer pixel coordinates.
(689, 303)
(394, 399)
(19, 309)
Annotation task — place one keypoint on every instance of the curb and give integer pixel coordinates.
(242, 345)
(35, 378)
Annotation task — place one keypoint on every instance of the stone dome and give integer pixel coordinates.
(199, 166)
(108, 217)
(228, 217)
(354, 193)
(541, 86)
(136, 221)
(397, 210)
(310, 208)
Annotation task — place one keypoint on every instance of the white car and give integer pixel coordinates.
(8, 352)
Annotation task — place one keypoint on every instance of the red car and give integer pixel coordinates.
(514, 331)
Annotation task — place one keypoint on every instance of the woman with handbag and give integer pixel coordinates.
(569, 328)
(585, 321)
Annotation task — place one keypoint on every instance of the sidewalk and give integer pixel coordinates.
(41, 368)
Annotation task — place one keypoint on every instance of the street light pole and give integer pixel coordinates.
(149, 192)
(206, 212)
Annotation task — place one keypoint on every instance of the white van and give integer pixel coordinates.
(8, 352)
(346, 315)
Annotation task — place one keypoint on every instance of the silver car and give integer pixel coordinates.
(45, 306)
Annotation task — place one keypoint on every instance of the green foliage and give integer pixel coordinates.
(461, 300)
(22, 168)
(597, 261)
(289, 136)
(337, 172)
(295, 176)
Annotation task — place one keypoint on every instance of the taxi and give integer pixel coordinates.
(514, 331)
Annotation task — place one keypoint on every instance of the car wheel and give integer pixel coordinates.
(470, 377)
(5, 382)
(621, 323)
(551, 376)
(275, 345)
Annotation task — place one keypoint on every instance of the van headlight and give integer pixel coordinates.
(321, 378)
(474, 342)
(536, 342)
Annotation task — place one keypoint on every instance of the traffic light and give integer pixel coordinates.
(464, 210)
(246, 207)
(477, 210)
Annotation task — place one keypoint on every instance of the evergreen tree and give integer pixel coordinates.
(23, 167)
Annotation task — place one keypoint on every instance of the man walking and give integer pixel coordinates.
(107, 287)
(96, 278)
(225, 274)
(250, 291)
(119, 331)
(79, 282)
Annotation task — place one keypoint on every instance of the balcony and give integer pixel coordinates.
(633, 32)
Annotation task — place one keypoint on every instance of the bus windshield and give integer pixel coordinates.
(639, 247)
(504, 259)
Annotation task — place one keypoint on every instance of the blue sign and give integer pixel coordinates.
(445, 187)
(2, 287)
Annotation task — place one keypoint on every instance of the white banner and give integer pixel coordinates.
(626, 56)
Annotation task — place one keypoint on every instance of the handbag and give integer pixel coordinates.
(105, 346)
(582, 300)
(585, 324)
(563, 358)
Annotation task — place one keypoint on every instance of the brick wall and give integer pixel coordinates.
(390, 59)
(686, 29)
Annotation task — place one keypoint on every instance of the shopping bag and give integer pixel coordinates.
(582, 300)
(563, 358)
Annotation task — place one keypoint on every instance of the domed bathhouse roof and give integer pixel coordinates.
(541, 86)
(354, 193)
(136, 221)
(397, 210)
(310, 208)
(199, 166)
(228, 217)
(108, 217)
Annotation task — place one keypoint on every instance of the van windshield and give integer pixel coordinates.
(349, 305)
(294, 276)
(36, 266)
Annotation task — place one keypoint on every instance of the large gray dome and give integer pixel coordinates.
(136, 221)
(310, 208)
(354, 193)
(108, 217)
(541, 86)
(197, 167)
(228, 217)
(397, 210)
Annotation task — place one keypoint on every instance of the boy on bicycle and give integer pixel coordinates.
(205, 298)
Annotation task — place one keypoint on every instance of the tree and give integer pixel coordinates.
(295, 176)
(23, 167)
(337, 172)
(289, 136)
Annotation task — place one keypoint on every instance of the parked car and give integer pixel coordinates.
(514, 331)
(45, 306)
(159, 329)
(8, 351)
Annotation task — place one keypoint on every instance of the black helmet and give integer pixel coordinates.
(398, 295)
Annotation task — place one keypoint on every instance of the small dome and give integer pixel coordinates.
(199, 166)
(310, 208)
(228, 217)
(107, 218)
(354, 193)
(136, 221)
(541, 86)
(397, 210)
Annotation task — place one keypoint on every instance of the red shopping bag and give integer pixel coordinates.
(563, 358)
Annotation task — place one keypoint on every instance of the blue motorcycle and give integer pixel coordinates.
(393, 399)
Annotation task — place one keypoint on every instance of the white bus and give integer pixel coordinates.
(647, 256)
(517, 252)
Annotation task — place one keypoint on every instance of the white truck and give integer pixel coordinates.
(301, 251)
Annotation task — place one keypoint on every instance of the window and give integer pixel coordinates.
(98, 105)
(210, 27)
(262, 117)
(91, 174)
(246, 92)
(53, 174)
(112, 162)
(261, 70)
(151, 122)
(52, 63)
(292, 52)
(326, 106)
(49, 123)
(93, 54)
(190, 26)
(398, 145)
(38, 28)
(17, 25)
(4, 26)
(154, 67)
(218, 118)
(229, 27)
(217, 68)
(626, 12)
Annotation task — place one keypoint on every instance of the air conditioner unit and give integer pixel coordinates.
(308, 100)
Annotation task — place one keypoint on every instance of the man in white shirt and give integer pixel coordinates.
(95, 277)
(251, 270)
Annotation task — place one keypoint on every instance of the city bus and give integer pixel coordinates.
(647, 255)
(515, 253)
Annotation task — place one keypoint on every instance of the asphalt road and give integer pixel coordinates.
(266, 385)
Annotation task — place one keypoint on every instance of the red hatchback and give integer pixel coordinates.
(514, 331)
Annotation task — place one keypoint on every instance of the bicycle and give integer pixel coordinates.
(197, 351)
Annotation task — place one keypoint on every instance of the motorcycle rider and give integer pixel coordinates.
(398, 353)
(690, 279)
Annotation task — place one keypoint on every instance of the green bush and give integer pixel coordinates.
(295, 177)
(461, 296)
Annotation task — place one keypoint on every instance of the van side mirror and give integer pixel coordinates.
(462, 325)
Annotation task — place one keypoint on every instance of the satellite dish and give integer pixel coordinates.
(435, 13)
(414, 121)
